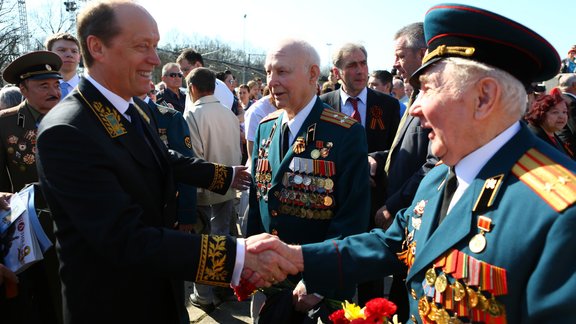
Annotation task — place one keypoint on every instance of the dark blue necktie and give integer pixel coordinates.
(135, 119)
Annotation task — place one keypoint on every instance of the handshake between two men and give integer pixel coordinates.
(268, 260)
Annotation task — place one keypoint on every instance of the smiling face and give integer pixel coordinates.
(556, 118)
(125, 65)
(448, 114)
(42, 95)
(173, 78)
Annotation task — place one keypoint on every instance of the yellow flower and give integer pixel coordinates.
(352, 311)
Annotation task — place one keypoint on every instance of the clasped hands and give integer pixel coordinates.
(269, 260)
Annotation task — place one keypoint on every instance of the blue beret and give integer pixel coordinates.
(455, 30)
(36, 65)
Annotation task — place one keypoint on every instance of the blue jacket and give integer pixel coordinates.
(527, 189)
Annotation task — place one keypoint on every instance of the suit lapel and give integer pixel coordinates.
(336, 104)
(115, 124)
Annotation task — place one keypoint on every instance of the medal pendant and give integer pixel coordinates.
(478, 243)
(442, 316)
(423, 307)
(472, 297)
(459, 291)
(329, 184)
(441, 283)
(430, 277)
(315, 154)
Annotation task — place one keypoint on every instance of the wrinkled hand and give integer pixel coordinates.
(242, 178)
(302, 301)
(373, 167)
(4, 200)
(269, 260)
(383, 219)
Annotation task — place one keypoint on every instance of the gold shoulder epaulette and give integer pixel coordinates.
(272, 115)
(337, 118)
(551, 181)
(9, 111)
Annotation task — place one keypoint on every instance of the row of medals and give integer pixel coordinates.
(476, 300)
(307, 196)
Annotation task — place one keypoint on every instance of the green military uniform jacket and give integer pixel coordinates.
(17, 147)
(504, 253)
(319, 190)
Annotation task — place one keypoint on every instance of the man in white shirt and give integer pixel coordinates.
(188, 60)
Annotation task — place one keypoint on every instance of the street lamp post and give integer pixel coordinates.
(244, 49)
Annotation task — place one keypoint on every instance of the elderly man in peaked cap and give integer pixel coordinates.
(37, 76)
(489, 237)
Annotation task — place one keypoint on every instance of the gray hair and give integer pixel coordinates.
(10, 96)
(466, 72)
(566, 80)
(413, 35)
(169, 66)
(338, 57)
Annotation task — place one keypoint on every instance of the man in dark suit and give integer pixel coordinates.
(488, 236)
(377, 112)
(109, 182)
(409, 159)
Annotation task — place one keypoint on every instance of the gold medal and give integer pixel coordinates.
(459, 291)
(430, 277)
(472, 297)
(441, 283)
(328, 184)
(478, 243)
(423, 307)
(328, 201)
(315, 154)
(495, 308)
(482, 302)
(433, 312)
(442, 316)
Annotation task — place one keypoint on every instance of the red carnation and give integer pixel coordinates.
(378, 308)
(338, 317)
(244, 290)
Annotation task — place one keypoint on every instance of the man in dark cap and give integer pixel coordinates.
(37, 76)
(489, 237)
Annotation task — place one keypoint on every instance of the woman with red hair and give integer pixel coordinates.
(548, 115)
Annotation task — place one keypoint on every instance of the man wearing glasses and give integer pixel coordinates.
(172, 96)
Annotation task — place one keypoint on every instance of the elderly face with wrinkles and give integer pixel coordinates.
(42, 95)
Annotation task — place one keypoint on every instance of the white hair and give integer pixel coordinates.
(466, 72)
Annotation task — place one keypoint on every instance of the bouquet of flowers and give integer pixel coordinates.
(377, 310)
